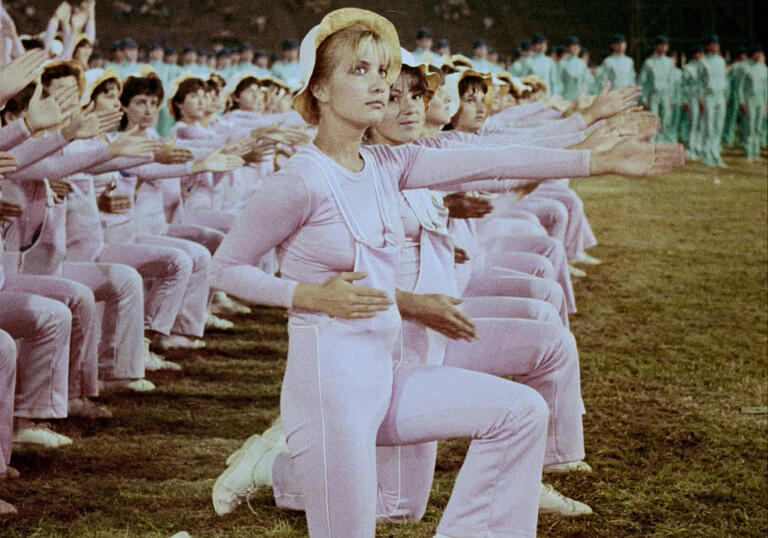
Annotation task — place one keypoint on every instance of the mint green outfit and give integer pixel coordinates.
(167, 73)
(573, 76)
(690, 96)
(713, 85)
(618, 69)
(677, 105)
(733, 118)
(655, 79)
(516, 69)
(753, 94)
(543, 67)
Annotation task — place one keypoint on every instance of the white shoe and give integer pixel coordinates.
(251, 469)
(225, 305)
(571, 466)
(575, 272)
(220, 324)
(552, 501)
(176, 341)
(181, 534)
(586, 259)
(83, 407)
(272, 435)
(40, 435)
(153, 361)
(10, 473)
(6, 509)
(136, 385)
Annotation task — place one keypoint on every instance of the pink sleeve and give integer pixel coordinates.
(518, 112)
(50, 33)
(13, 134)
(90, 30)
(61, 165)
(280, 209)
(153, 170)
(34, 149)
(68, 43)
(425, 167)
(116, 164)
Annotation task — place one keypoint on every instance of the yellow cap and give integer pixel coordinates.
(333, 22)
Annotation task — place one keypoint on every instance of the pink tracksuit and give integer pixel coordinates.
(7, 391)
(342, 393)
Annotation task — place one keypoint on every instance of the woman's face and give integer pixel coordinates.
(142, 111)
(471, 114)
(439, 111)
(252, 99)
(83, 53)
(357, 91)
(109, 100)
(193, 107)
(404, 116)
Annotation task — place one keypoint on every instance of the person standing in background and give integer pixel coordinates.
(711, 74)
(656, 81)
(618, 68)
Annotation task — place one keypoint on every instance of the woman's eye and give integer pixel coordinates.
(394, 98)
(359, 70)
(383, 72)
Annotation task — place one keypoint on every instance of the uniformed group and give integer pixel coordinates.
(122, 179)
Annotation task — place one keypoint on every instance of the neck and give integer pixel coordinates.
(380, 139)
(340, 141)
(431, 130)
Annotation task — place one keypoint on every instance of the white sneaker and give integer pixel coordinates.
(83, 407)
(220, 324)
(225, 305)
(251, 469)
(575, 272)
(272, 435)
(6, 509)
(136, 385)
(181, 534)
(580, 466)
(586, 259)
(40, 435)
(153, 362)
(176, 341)
(552, 501)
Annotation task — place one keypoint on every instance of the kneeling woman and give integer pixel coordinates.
(333, 214)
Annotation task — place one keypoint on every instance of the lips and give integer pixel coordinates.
(376, 104)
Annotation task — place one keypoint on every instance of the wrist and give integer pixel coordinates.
(599, 163)
(68, 133)
(304, 296)
(196, 167)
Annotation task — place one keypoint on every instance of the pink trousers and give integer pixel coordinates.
(550, 248)
(190, 320)
(42, 328)
(208, 237)
(119, 295)
(578, 234)
(165, 273)
(7, 390)
(83, 352)
(551, 213)
(360, 400)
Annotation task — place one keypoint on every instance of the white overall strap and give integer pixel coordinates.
(425, 209)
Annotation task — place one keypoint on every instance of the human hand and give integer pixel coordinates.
(216, 161)
(8, 163)
(439, 313)
(168, 153)
(341, 298)
(44, 114)
(22, 70)
(460, 255)
(9, 210)
(60, 187)
(131, 144)
(609, 102)
(113, 203)
(637, 158)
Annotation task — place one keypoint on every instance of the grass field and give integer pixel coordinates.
(672, 335)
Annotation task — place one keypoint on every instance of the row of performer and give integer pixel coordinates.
(417, 223)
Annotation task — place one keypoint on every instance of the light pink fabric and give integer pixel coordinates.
(330, 425)
(42, 328)
(7, 391)
(83, 361)
(118, 292)
(578, 234)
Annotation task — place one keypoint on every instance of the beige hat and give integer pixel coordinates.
(92, 80)
(174, 88)
(451, 86)
(334, 22)
(433, 79)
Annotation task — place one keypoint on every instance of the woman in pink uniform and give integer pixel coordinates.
(332, 212)
(7, 387)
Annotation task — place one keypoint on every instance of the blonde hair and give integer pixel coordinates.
(336, 49)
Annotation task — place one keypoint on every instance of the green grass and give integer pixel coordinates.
(672, 334)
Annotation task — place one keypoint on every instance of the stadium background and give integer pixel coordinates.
(502, 23)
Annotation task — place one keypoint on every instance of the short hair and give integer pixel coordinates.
(191, 85)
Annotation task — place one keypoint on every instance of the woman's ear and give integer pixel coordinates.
(320, 91)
